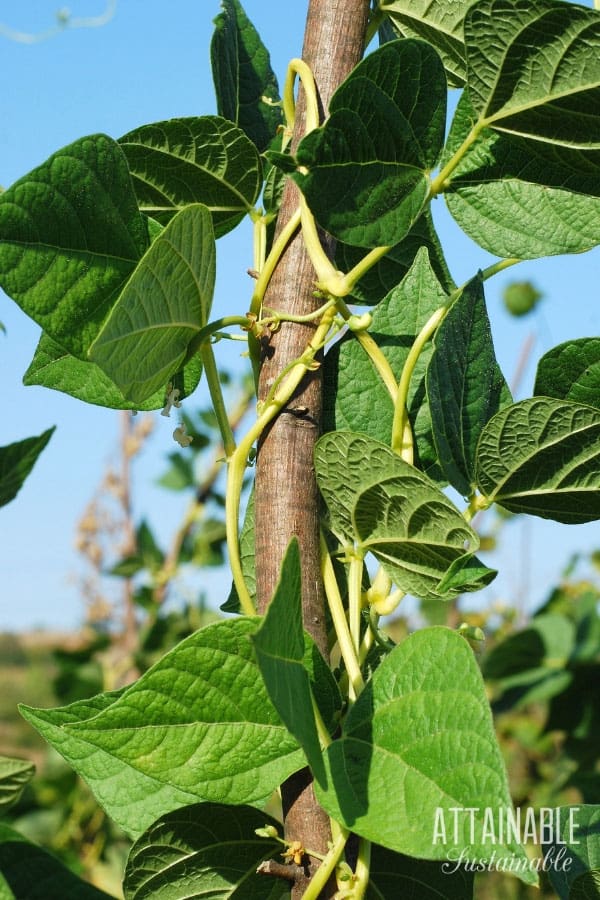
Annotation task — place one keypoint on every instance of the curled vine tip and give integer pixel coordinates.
(172, 400)
(181, 436)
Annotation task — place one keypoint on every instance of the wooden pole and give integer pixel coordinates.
(287, 501)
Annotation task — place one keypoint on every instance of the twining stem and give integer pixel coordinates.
(338, 615)
(279, 245)
(216, 395)
(327, 867)
(297, 67)
(361, 872)
(238, 459)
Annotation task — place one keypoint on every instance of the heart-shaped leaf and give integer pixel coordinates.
(203, 159)
(366, 175)
(355, 397)
(422, 733)
(54, 368)
(571, 371)
(198, 724)
(519, 197)
(542, 457)
(440, 24)
(534, 69)
(70, 236)
(165, 303)
(465, 386)
(243, 76)
(207, 849)
(16, 462)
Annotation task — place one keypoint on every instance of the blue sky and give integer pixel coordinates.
(151, 62)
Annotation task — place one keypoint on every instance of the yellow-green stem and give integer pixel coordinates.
(340, 624)
(440, 182)
(279, 245)
(327, 867)
(361, 872)
(355, 600)
(216, 396)
(374, 352)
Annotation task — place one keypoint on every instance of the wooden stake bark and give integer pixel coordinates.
(286, 491)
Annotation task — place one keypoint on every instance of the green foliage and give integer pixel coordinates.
(110, 247)
(14, 775)
(16, 462)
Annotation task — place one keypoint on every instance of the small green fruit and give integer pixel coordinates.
(520, 297)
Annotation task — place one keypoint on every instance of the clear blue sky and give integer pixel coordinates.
(149, 63)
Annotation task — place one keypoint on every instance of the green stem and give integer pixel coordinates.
(401, 422)
(499, 267)
(327, 867)
(328, 276)
(340, 623)
(209, 330)
(279, 245)
(361, 872)
(374, 352)
(347, 284)
(297, 67)
(441, 181)
(355, 600)
(216, 395)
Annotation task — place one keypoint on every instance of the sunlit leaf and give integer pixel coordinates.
(571, 371)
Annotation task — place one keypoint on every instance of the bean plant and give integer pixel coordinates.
(110, 246)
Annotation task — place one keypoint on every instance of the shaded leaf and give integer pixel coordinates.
(440, 24)
(542, 457)
(580, 835)
(16, 462)
(163, 306)
(571, 371)
(199, 723)
(247, 558)
(534, 69)
(14, 775)
(421, 733)
(55, 368)
(70, 236)
(465, 386)
(367, 166)
(394, 875)
(203, 159)
(355, 397)
(32, 873)
(522, 198)
(206, 849)
(283, 649)
(243, 76)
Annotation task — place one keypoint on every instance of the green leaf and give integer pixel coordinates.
(16, 462)
(243, 76)
(70, 236)
(198, 723)
(203, 159)
(440, 24)
(421, 733)
(571, 371)
(355, 397)
(392, 268)
(30, 872)
(203, 850)
(14, 775)
(542, 457)
(55, 368)
(534, 69)
(132, 799)
(282, 651)
(465, 386)
(163, 306)
(368, 166)
(579, 836)
(546, 642)
(466, 574)
(394, 875)
(416, 534)
(522, 198)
